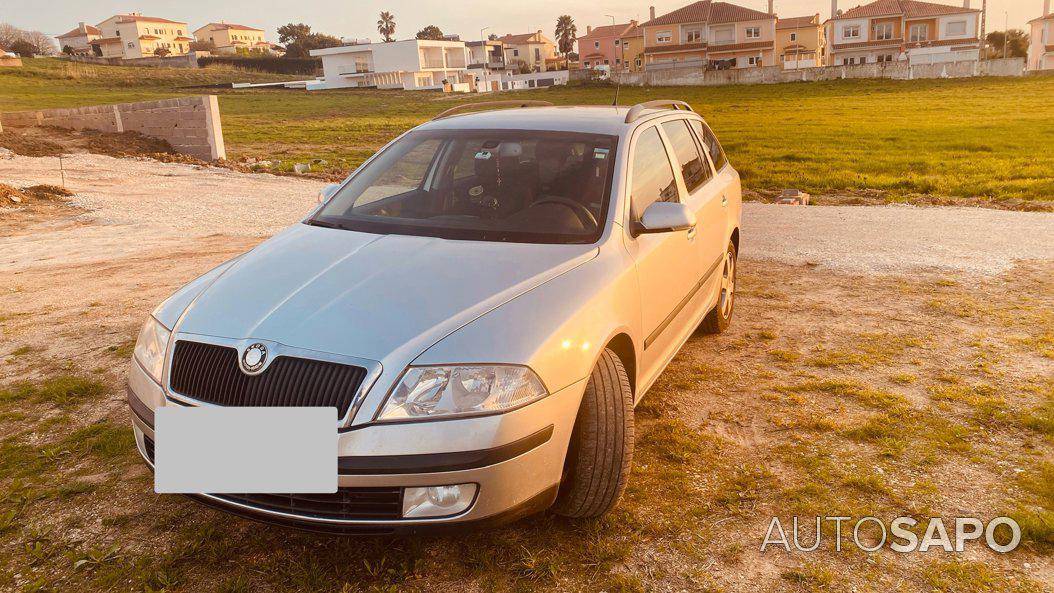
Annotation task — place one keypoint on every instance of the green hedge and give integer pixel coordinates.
(304, 66)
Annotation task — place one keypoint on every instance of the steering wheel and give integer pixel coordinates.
(583, 213)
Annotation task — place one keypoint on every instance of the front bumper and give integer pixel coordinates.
(516, 459)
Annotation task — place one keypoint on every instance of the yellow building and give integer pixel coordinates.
(532, 49)
(800, 41)
(229, 38)
(129, 36)
(633, 49)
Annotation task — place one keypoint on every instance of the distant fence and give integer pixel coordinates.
(185, 61)
(275, 65)
(670, 76)
(190, 124)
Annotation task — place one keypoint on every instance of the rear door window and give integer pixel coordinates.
(694, 168)
(717, 154)
(653, 179)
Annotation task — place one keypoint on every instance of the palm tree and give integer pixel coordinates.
(566, 33)
(386, 26)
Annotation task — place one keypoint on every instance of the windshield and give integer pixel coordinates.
(485, 185)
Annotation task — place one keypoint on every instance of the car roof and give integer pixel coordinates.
(590, 119)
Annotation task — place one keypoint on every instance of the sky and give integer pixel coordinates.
(356, 19)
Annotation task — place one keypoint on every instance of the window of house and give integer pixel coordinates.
(130, 44)
(710, 143)
(885, 58)
(753, 32)
(617, 41)
(919, 32)
(754, 61)
(607, 61)
(516, 52)
(724, 35)
(586, 63)
(596, 45)
(537, 54)
(851, 32)
(957, 28)
(794, 36)
(653, 179)
(884, 31)
(694, 168)
(618, 61)
(638, 62)
(693, 35)
(664, 36)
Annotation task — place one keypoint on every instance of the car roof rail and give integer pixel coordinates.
(636, 111)
(488, 104)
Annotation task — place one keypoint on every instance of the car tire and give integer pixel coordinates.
(720, 317)
(601, 451)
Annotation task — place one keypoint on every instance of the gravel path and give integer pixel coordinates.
(143, 204)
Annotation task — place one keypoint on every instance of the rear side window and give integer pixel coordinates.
(694, 168)
(652, 174)
(711, 144)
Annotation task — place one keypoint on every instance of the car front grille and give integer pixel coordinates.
(347, 503)
(210, 373)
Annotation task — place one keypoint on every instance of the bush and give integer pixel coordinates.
(303, 66)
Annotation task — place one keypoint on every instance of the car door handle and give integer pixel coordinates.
(724, 200)
(691, 232)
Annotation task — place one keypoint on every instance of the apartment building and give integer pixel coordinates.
(413, 64)
(707, 34)
(133, 35)
(1041, 40)
(486, 55)
(633, 49)
(229, 38)
(800, 41)
(533, 49)
(80, 39)
(606, 46)
(893, 30)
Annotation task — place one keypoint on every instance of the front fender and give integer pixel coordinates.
(169, 311)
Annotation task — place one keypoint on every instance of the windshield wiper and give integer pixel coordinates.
(328, 225)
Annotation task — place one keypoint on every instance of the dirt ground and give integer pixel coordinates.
(843, 389)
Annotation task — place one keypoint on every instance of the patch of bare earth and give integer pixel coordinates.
(833, 394)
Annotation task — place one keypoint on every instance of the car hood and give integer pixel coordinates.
(368, 296)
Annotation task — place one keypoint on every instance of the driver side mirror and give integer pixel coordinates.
(664, 217)
(327, 192)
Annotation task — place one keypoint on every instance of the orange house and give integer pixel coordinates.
(711, 35)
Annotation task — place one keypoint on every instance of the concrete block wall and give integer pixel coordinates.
(190, 124)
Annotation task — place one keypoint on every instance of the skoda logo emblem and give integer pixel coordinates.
(253, 358)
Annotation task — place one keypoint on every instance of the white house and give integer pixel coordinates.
(1041, 46)
(413, 64)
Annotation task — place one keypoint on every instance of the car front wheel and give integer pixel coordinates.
(720, 317)
(601, 452)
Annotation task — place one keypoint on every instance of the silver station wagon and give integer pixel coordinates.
(483, 301)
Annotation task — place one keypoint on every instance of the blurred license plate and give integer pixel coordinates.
(245, 450)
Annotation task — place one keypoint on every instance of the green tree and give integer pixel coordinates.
(161, 52)
(566, 34)
(386, 26)
(430, 32)
(293, 33)
(23, 48)
(1015, 40)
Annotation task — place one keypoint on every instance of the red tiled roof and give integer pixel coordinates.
(798, 22)
(636, 31)
(128, 18)
(609, 31)
(723, 12)
(657, 49)
(225, 26)
(149, 37)
(184, 38)
(708, 11)
(907, 8)
(720, 49)
(89, 30)
(695, 12)
(518, 39)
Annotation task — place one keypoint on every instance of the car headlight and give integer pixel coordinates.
(150, 347)
(464, 390)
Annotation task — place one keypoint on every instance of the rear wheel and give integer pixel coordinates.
(601, 452)
(720, 317)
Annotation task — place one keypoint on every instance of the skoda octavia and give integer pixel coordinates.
(483, 301)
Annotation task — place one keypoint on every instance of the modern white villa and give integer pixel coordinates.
(413, 64)
(1041, 46)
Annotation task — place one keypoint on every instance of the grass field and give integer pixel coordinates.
(986, 138)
